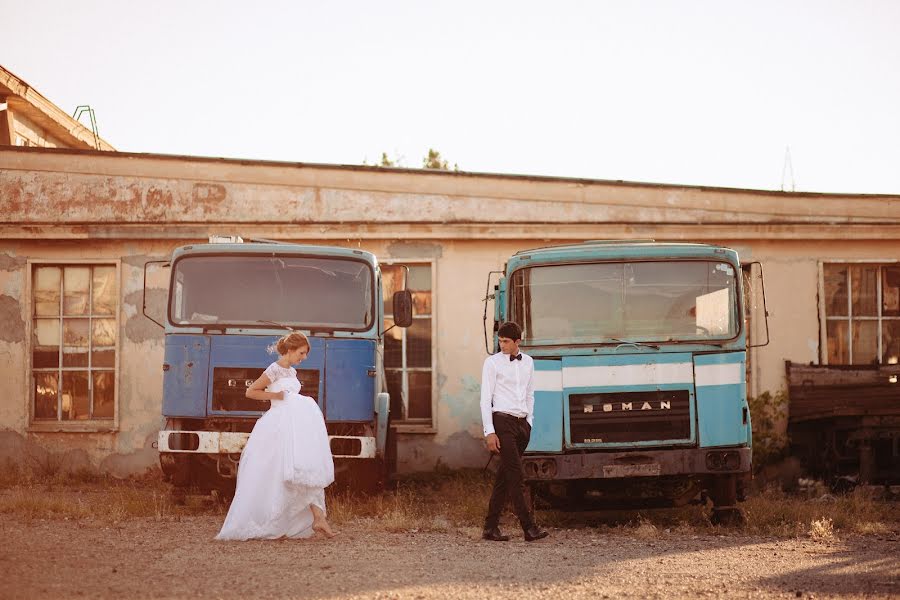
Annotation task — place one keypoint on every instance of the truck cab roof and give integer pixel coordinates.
(273, 249)
(620, 250)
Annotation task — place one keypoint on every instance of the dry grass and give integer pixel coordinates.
(441, 502)
(775, 513)
(97, 498)
(447, 502)
(645, 530)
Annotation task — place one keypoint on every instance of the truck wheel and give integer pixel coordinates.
(723, 493)
(728, 517)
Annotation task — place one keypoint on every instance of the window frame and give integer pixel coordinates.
(849, 318)
(84, 426)
(419, 425)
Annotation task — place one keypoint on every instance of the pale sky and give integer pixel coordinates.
(681, 91)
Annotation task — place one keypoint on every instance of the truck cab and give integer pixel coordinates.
(640, 387)
(227, 304)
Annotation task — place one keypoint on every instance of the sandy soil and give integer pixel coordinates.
(177, 558)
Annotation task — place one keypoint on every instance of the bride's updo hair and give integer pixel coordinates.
(289, 342)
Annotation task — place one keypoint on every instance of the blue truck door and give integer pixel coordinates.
(723, 413)
(350, 382)
(547, 431)
(185, 381)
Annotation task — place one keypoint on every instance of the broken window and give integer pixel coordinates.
(408, 360)
(74, 341)
(862, 313)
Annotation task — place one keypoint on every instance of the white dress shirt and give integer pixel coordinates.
(507, 386)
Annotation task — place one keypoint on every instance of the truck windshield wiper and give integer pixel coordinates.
(628, 342)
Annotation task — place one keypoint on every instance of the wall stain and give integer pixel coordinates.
(415, 250)
(158, 202)
(122, 465)
(139, 328)
(9, 262)
(12, 327)
(139, 260)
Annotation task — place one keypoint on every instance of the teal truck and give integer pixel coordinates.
(640, 353)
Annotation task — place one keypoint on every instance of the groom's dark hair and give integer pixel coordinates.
(510, 330)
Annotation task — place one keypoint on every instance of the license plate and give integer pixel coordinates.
(644, 470)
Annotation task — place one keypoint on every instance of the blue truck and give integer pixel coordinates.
(640, 387)
(227, 303)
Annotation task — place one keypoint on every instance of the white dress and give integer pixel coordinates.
(284, 468)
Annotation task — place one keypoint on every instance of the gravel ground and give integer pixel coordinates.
(177, 558)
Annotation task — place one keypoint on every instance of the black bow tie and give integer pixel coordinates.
(513, 357)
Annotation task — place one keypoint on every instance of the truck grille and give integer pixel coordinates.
(231, 383)
(630, 416)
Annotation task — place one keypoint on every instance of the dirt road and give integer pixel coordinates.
(171, 558)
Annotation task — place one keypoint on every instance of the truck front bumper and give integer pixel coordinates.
(233, 442)
(653, 463)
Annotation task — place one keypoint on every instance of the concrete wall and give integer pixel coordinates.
(133, 208)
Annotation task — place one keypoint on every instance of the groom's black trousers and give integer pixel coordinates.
(514, 433)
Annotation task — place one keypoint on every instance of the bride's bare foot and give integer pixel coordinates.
(322, 526)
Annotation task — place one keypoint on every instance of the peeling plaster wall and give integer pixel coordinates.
(12, 340)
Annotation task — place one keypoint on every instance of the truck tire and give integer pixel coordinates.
(723, 493)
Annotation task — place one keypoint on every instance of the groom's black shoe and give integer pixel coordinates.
(493, 534)
(535, 533)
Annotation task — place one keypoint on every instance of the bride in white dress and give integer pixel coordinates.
(287, 463)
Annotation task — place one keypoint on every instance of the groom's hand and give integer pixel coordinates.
(493, 443)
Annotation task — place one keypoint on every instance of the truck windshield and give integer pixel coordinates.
(635, 301)
(297, 291)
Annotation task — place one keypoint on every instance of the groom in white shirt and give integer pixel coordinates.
(507, 411)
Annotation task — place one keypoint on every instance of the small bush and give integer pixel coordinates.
(767, 417)
(822, 529)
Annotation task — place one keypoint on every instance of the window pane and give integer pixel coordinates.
(420, 395)
(46, 291)
(865, 342)
(838, 343)
(75, 340)
(394, 380)
(890, 342)
(103, 291)
(890, 290)
(45, 345)
(76, 284)
(103, 343)
(418, 343)
(45, 388)
(421, 303)
(75, 400)
(420, 277)
(836, 290)
(104, 393)
(864, 290)
(393, 345)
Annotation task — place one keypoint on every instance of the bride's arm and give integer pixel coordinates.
(257, 391)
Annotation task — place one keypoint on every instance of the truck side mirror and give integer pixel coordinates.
(403, 308)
